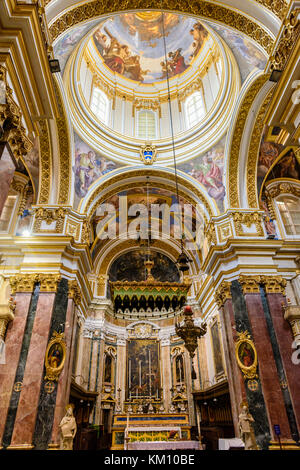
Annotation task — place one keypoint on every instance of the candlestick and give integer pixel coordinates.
(140, 373)
(129, 375)
(150, 388)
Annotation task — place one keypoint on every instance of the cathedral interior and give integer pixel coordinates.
(149, 225)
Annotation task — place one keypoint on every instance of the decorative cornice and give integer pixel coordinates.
(205, 9)
(74, 292)
(223, 293)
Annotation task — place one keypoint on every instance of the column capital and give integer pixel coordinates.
(23, 282)
(49, 282)
(74, 291)
(273, 284)
(223, 293)
(250, 284)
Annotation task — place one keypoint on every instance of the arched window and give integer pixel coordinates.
(194, 109)
(289, 208)
(99, 105)
(146, 126)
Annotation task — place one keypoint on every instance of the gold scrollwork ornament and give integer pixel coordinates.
(55, 357)
(246, 355)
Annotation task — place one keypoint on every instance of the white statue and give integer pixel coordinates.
(246, 429)
(68, 428)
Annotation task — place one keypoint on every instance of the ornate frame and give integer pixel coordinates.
(249, 372)
(53, 373)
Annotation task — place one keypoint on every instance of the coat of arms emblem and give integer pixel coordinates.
(148, 154)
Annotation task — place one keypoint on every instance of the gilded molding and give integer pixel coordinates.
(248, 219)
(275, 188)
(288, 40)
(250, 284)
(74, 292)
(49, 282)
(151, 173)
(49, 216)
(278, 7)
(244, 340)
(271, 284)
(11, 127)
(23, 282)
(210, 234)
(233, 165)
(45, 162)
(64, 150)
(253, 152)
(223, 293)
(205, 9)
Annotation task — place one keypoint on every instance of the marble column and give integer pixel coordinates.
(166, 373)
(33, 375)
(235, 383)
(284, 338)
(121, 370)
(64, 383)
(13, 343)
(270, 369)
(7, 169)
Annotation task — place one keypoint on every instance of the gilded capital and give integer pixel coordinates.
(74, 291)
(49, 282)
(23, 282)
(273, 284)
(250, 284)
(223, 293)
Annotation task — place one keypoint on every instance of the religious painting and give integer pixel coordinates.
(130, 267)
(89, 166)
(247, 54)
(132, 44)
(108, 369)
(287, 167)
(268, 153)
(208, 169)
(55, 356)
(143, 373)
(217, 351)
(179, 369)
(246, 355)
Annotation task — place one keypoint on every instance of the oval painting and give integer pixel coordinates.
(246, 354)
(55, 355)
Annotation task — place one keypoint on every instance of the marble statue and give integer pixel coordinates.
(68, 428)
(246, 429)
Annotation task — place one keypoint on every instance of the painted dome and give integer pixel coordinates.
(135, 45)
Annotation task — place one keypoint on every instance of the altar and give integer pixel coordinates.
(155, 431)
(160, 445)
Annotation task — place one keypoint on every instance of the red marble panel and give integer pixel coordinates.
(13, 344)
(285, 339)
(29, 397)
(63, 388)
(267, 366)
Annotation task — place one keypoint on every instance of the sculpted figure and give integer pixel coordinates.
(68, 428)
(246, 430)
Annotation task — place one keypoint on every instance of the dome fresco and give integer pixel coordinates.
(132, 44)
